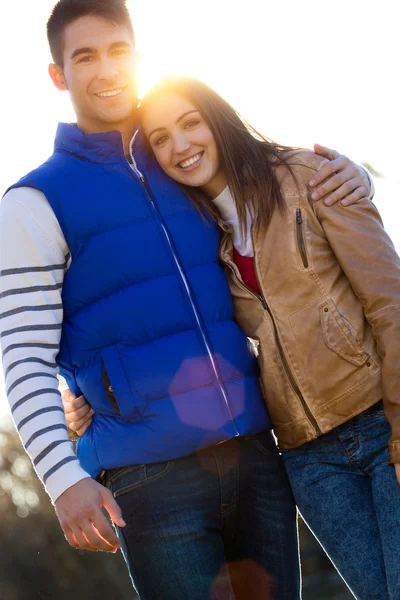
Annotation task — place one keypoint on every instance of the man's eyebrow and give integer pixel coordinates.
(189, 112)
(82, 51)
(120, 44)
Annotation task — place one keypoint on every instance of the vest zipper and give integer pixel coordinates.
(300, 238)
(182, 274)
(291, 379)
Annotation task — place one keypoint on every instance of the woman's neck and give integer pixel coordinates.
(215, 186)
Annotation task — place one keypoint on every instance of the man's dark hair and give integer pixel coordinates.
(68, 11)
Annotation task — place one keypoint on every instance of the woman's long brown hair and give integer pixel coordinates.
(247, 157)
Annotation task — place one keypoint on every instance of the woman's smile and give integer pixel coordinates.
(191, 163)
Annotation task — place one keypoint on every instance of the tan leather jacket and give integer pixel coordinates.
(328, 321)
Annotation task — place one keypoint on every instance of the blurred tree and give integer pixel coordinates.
(36, 562)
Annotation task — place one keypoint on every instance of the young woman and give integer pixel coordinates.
(318, 288)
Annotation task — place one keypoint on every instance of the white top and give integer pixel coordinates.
(228, 211)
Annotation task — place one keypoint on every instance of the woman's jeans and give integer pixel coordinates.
(219, 524)
(349, 496)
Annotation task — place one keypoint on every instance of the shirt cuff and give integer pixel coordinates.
(70, 474)
(371, 183)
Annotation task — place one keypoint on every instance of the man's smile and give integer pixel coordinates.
(110, 93)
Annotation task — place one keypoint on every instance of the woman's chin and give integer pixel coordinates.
(196, 179)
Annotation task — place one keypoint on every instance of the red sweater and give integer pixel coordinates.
(245, 264)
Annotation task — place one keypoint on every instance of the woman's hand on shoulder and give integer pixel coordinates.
(78, 414)
(339, 179)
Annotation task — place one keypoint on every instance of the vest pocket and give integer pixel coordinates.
(338, 337)
(124, 401)
(109, 389)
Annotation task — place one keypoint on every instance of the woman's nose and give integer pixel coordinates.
(181, 143)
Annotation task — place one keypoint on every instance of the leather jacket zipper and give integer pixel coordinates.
(214, 366)
(300, 238)
(291, 379)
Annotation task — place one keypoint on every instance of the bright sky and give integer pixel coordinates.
(300, 71)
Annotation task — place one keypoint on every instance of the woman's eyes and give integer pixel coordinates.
(159, 141)
(191, 123)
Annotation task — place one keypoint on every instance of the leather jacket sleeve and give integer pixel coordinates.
(372, 265)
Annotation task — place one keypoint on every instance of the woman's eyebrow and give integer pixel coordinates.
(186, 114)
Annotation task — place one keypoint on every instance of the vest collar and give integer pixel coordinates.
(96, 147)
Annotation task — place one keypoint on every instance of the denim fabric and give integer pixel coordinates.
(219, 524)
(349, 496)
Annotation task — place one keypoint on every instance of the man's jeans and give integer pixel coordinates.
(349, 496)
(219, 524)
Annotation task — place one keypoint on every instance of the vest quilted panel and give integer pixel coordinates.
(148, 334)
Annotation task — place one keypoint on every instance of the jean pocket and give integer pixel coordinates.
(266, 444)
(124, 480)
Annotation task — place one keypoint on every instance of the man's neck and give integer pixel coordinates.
(126, 129)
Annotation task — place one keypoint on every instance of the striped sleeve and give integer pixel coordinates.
(33, 259)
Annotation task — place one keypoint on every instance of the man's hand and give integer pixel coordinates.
(84, 525)
(397, 467)
(78, 414)
(339, 179)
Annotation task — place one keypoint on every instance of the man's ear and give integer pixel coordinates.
(57, 77)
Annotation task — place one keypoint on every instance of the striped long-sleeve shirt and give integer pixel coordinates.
(34, 257)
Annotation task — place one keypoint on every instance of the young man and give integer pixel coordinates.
(106, 269)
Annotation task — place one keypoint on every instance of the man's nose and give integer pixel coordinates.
(108, 68)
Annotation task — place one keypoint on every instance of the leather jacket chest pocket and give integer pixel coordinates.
(300, 237)
(123, 399)
(338, 336)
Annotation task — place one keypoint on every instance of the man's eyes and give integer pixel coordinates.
(119, 52)
(85, 59)
(122, 52)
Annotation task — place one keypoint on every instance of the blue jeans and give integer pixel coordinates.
(219, 524)
(349, 497)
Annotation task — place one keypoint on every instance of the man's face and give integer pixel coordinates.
(100, 73)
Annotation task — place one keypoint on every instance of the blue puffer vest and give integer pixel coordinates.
(148, 335)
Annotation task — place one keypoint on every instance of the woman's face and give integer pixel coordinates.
(183, 143)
